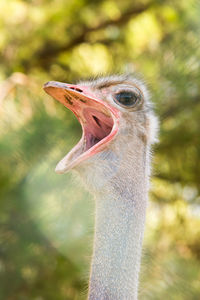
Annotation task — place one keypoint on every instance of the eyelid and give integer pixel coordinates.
(135, 91)
(139, 95)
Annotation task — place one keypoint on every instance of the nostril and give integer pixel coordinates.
(76, 89)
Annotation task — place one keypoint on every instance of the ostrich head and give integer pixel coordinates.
(116, 118)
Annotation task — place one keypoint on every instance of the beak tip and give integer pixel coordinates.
(47, 85)
(59, 169)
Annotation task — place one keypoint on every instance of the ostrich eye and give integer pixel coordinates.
(126, 99)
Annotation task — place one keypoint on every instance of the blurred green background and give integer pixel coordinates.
(46, 220)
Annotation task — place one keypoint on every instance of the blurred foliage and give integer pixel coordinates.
(46, 220)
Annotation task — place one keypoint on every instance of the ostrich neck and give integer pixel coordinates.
(120, 220)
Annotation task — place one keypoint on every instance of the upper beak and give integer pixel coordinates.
(75, 97)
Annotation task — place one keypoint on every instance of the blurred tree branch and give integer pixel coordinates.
(168, 178)
(175, 109)
(10, 83)
(50, 50)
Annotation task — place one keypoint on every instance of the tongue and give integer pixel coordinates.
(91, 140)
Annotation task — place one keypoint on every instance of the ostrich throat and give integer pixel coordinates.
(120, 219)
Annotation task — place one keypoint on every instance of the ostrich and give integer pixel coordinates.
(113, 158)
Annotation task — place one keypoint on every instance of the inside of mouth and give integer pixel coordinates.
(97, 127)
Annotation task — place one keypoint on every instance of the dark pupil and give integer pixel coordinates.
(126, 98)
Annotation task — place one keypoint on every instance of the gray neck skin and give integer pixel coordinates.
(120, 218)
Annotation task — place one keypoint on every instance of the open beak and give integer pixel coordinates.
(98, 119)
